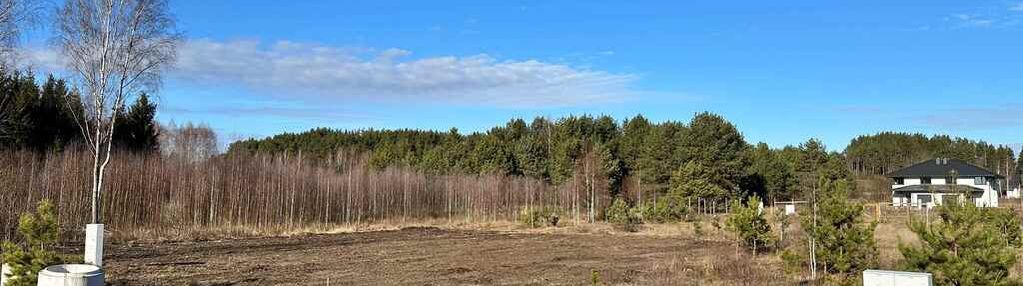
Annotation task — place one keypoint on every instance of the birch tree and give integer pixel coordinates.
(115, 49)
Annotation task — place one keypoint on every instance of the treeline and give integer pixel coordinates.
(632, 156)
(46, 117)
(153, 197)
(886, 152)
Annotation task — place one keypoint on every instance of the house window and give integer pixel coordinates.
(900, 181)
(925, 181)
(979, 181)
(950, 199)
(923, 199)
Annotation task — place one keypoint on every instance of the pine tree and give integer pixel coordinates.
(967, 245)
(613, 167)
(768, 175)
(39, 231)
(717, 144)
(657, 156)
(749, 224)
(693, 180)
(634, 135)
(136, 128)
(845, 244)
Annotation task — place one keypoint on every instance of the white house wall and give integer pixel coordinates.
(989, 197)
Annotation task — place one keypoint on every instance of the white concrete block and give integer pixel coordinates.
(896, 278)
(790, 209)
(71, 275)
(5, 272)
(94, 244)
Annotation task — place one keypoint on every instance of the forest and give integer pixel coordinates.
(639, 153)
(45, 117)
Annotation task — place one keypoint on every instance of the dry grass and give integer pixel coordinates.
(716, 269)
(888, 235)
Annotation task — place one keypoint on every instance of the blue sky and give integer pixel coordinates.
(782, 71)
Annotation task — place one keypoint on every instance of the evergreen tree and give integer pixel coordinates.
(614, 168)
(54, 123)
(21, 94)
(967, 245)
(769, 176)
(136, 129)
(749, 224)
(635, 132)
(813, 156)
(810, 160)
(495, 155)
(531, 151)
(717, 144)
(39, 231)
(658, 157)
(693, 180)
(845, 244)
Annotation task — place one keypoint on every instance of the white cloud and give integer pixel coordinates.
(289, 69)
(971, 118)
(43, 59)
(272, 109)
(988, 17)
(298, 71)
(973, 20)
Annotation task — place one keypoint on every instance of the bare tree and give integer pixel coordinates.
(189, 142)
(115, 49)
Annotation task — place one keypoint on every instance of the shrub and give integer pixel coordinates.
(595, 278)
(698, 229)
(39, 231)
(794, 259)
(748, 224)
(539, 217)
(669, 208)
(1009, 224)
(622, 216)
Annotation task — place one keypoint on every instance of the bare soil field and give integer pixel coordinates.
(433, 256)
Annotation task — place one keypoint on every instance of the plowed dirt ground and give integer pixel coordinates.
(432, 256)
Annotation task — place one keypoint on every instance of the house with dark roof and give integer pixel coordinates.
(943, 180)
